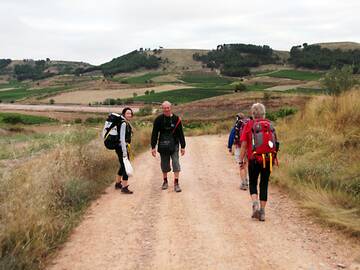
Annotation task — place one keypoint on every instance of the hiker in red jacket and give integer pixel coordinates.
(259, 142)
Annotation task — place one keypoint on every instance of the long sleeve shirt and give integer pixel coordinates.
(122, 139)
(164, 124)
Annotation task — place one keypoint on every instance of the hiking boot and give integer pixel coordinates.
(262, 214)
(177, 188)
(255, 208)
(243, 185)
(118, 185)
(126, 190)
(164, 185)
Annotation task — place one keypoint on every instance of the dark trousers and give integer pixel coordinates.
(255, 169)
(121, 171)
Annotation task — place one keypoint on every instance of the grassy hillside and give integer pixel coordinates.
(179, 60)
(296, 75)
(345, 45)
(320, 159)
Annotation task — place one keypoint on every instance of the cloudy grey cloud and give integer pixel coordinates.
(96, 31)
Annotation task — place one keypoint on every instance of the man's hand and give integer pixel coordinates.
(153, 152)
(182, 151)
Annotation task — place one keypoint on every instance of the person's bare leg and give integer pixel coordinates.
(262, 204)
(118, 179)
(165, 183)
(247, 174)
(243, 182)
(255, 206)
(176, 182)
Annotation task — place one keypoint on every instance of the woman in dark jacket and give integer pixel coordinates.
(122, 150)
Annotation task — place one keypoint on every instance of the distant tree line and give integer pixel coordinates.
(236, 59)
(316, 57)
(32, 71)
(4, 63)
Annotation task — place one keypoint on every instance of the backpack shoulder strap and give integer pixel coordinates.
(177, 124)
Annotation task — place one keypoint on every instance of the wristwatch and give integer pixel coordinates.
(241, 162)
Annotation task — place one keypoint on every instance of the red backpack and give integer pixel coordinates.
(264, 142)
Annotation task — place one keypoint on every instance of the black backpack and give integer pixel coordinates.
(111, 131)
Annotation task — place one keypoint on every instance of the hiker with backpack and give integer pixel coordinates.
(234, 139)
(259, 142)
(239, 128)
(117, 136)
(167, 134)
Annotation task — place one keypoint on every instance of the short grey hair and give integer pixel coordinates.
(258, 110)
(166, 103)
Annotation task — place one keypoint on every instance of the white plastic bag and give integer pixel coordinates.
(128, 168)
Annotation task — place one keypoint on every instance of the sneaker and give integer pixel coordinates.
(126, 190)
(164, 185)
(118, 185)
(262, 214)
(243, 185)
(177, 188)
(256, 212)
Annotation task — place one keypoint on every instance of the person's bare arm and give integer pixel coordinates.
(242, 153)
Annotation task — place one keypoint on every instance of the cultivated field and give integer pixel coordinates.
(91, 96)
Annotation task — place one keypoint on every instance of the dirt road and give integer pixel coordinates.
(207, 226)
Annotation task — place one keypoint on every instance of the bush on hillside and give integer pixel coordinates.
(130, 62)
(239, 87)
(4, 63)
(339, 80)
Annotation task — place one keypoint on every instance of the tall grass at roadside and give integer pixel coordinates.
(43, 198)
(320, 157)
(24, 145)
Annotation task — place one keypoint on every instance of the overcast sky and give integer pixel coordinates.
(96, 31)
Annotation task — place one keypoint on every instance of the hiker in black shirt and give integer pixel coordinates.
(168, 134)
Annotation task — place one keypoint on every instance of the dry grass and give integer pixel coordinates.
(43, 198)
(320, 159)
(340, 45)
(180, 60)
